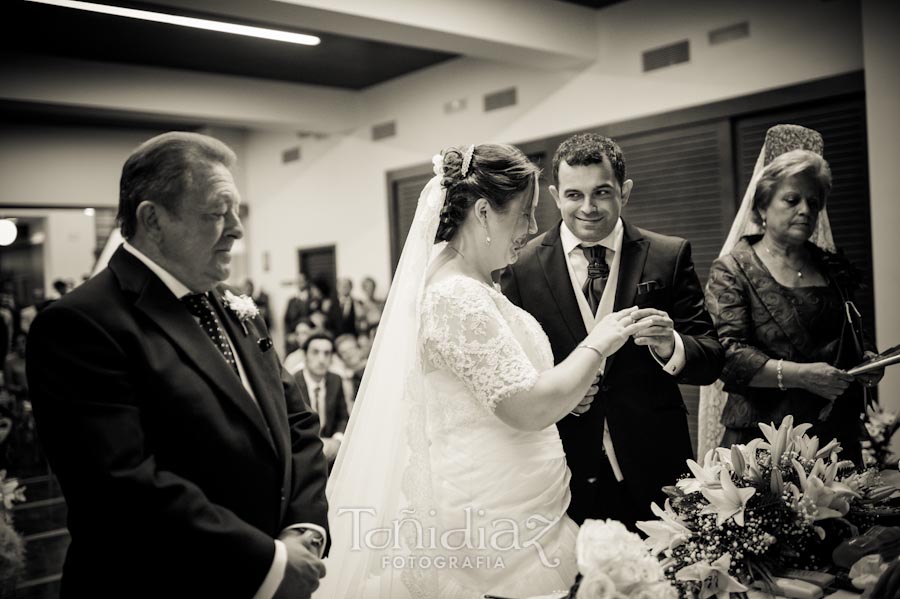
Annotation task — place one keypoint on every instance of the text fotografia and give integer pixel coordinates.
(441, 562)
(407, 533)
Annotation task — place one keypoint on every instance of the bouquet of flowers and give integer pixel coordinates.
(755, 510)
(614, 564)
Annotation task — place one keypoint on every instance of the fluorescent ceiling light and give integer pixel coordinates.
(158, 17)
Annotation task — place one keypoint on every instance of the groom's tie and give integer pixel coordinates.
(597, 274)
(198, 304)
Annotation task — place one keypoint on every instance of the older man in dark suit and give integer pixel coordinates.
(633, 439)
(190, 464)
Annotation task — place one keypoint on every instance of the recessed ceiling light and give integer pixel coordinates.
(159, 17)
(8, 232)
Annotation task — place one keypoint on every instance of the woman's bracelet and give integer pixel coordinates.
(586, 346)
(779, 373)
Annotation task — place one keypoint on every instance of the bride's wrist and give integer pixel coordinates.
(593, 347)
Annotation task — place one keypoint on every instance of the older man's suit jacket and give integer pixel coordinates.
(644, 407)
(176, 481)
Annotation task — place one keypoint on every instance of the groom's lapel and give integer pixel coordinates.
(631, 266)
(556, 272)
(262, 372)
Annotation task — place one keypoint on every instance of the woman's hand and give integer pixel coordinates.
(822, 379)
(870, 379)
(613, 331)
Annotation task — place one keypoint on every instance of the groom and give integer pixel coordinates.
(189, 462)
(633, 440)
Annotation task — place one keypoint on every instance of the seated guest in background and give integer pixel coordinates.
(319, 321)
(782, 304)
(371, 307)
(342, 315)
(298, 308)
(352, 362)
(324, 391)
(297, 358)
(365, 345)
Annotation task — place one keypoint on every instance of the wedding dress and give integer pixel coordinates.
(479, 350)
(432, 496)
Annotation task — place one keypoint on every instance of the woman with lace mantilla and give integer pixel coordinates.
(782, 302)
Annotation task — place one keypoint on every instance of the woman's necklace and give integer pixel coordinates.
(784, 261)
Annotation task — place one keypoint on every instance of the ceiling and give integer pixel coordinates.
(593, 3)
(339, 61)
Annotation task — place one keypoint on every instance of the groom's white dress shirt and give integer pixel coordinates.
(276, 571)
(577, 264)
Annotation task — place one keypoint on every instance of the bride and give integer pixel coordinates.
(452, 481)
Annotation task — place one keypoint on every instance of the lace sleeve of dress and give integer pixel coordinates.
(464, 332)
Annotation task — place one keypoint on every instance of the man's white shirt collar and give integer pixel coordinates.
(613, 241)
(311, 384)
(177, 288)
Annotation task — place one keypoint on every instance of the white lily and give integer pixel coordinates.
(666, 533)
(706, 476)
(714, 578)
(727, 502)
(782, 439)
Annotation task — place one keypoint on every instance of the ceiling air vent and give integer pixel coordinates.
(667, 56)
(500, 99)
(730, 33)
(292, 155)
(384, 130)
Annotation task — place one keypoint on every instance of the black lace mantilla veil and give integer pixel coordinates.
(780, 139)
(379, 490)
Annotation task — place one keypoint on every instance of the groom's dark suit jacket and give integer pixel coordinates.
(176, 483)
(646, 414)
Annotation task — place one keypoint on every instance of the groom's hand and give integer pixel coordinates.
(655, 330)
(303, 569)
(585, 404)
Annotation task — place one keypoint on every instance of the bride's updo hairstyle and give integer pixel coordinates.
(495, 172)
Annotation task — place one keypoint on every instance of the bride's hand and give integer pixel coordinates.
(613, 331)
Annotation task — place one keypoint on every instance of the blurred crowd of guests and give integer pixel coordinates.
(327, 339)
(349, 319)
(18, 441)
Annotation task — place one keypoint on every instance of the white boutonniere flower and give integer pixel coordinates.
(243, 307)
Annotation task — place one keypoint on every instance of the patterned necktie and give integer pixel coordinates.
(199, 305)
(597, 274)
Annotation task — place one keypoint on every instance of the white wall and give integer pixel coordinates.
(68, 247)
(337, 193)
(881, 22)
(70, 166)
